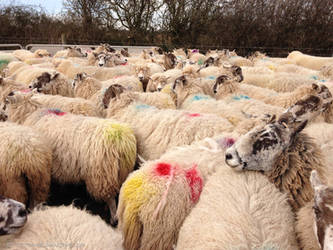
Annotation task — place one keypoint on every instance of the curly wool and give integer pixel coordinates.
(67, 228)
(25, 159)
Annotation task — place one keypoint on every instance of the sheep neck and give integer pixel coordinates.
(292, 169)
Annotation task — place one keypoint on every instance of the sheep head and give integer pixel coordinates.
(3, 116)
(43, 82)
(323, 211)
(260, 148)
(13, 216)
(170, 61)
(124, 52)
(111, 92)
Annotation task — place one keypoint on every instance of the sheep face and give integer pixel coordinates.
(113, 91)
(13, 216)
(75, 52)
(43, 82)
(323, 212)
(260, 147)
(78, 78)
(110, 60)
(3, 116)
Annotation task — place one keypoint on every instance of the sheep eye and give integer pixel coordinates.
(316, 211)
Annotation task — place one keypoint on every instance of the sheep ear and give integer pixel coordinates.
(55, 75)
(113, 91)
(1, 81)
(237, 72)
(315, 86)
(220, 80)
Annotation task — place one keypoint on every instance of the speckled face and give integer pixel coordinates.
(323, 212)
(13, 216)
(259, 148)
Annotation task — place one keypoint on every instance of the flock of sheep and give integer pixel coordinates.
(167, 141)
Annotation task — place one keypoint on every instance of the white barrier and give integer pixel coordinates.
(13, 46)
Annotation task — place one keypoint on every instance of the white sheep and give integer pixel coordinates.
(155, 200)
(77, 106)
(23, 54)
(74, 140)
(70, 52)
(238, 211)
(25, 164)
(158, 130)
(307, 61)
(64, 227)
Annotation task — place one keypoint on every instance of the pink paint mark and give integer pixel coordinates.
(116, 77)
(195, 182)
(56, 112)
(193, 114)
(195, 51)
(25, 90)
(226, 142)
(124, 64)
(163, 169)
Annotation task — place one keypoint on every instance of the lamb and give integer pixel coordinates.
(280, 145)
(155, 200)
(236, 212)
(23, 54)
(52, 84)
(74, 140)
(307, 61)
(240, 61)
(70, 52)
(77, 106)
(13, 217)
(64, 227)
(25, 164)
(158, 130)
(195, 56)
(314, 221)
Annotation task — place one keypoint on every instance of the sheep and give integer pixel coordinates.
(247, 70)
(8, 85)
(64, 227)
(145, 71)
(110, 59)
(158, 130)
(180, 54)
(52, 84)
(78, 106)
(280, 82)
(104, 47)
(13, 217)
(74, 140)
(159, 80)
(70, 52)
(195, 56)
(238, 211)
(29, 73)
(155, 200)
(70, 69)
(292, 68)
(314, 221)
(307, 61)
(25, 164)
(189, 97)
(23, 54)
(279, 145)
(240, 61)
(131, 83)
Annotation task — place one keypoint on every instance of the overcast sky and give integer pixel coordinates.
(51, 6)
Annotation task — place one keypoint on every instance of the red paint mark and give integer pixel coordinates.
(25, 90)
(195, 182)
(124, 64)
(193, 114)
(57, 112)
(229, 142)
(163, 169)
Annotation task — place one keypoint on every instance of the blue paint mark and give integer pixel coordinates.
(199, 97)
(142, 106)
(200, 62)
(237, 98)
(314, 77)
(76, 65)
(322, 80)
(211, 77)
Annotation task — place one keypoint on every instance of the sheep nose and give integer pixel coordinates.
(100, 64)
(140, 78)
(125, 60)
(228, 156)
(159, 89)
(30, 87)
(22, 212)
